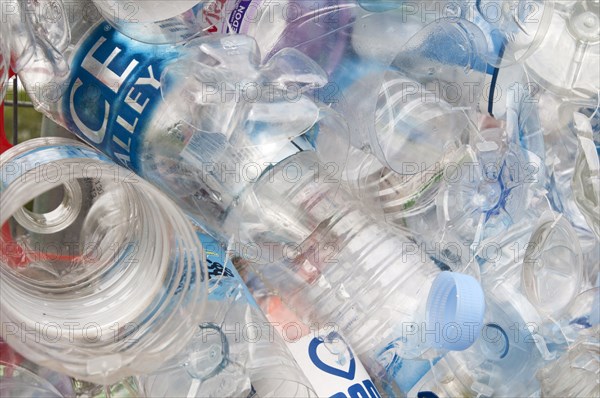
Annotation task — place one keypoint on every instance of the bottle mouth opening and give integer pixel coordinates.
(55, 220)
(32, 241)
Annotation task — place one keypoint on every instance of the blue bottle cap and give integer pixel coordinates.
(455, 309)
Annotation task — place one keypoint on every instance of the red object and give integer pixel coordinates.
(9, 356)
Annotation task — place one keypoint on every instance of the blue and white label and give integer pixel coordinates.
(224, 280)
(238, 16)
(113, 91)
(330, 364)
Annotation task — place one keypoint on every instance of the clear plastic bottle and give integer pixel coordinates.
(408, 107)
(509, 348)
(423, 99)
(173, 142)
(274, 24)
(566, 125)
(16, 381)
(235, 352)
(125, 98)
(38, 34)
(375, 285)
(318, 29)
(532, 283)
(116, 301)
(443, 66)
(325, 357)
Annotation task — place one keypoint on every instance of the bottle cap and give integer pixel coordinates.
(455, 309)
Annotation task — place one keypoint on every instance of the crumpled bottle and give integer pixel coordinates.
(573, 32)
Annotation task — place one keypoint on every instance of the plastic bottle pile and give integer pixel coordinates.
(299, 198)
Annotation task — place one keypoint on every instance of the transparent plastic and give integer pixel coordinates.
(16, 381)
(208, 151)
(317, 29)
(162, 22)
(4, 62)
(116, 301)
(396, 98)
(339, 369)
(203, 128)
(552, 267)
(576, 373)
(38, 33)
(509, 348)
(514, 29)
(532, 285)
(574, 32)
(235, 352)
(586, 177)
(563, 123)
(22, 378)
(350, 270)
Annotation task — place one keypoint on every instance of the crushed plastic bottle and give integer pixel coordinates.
(131, 109)
(574, 32)
(38, 35)
(586, 178)
(469, 127)
(194, 138)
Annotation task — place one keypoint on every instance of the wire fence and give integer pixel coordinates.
(18, 100)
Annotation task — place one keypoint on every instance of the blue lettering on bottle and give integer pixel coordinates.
(114, 88)
(314, 357)
(366, 389)
(237, 16)
(357, 391)
(426, 394)
(370, 387)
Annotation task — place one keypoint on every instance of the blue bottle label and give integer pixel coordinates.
(113, 91)
(334, 373)
(221, 271)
